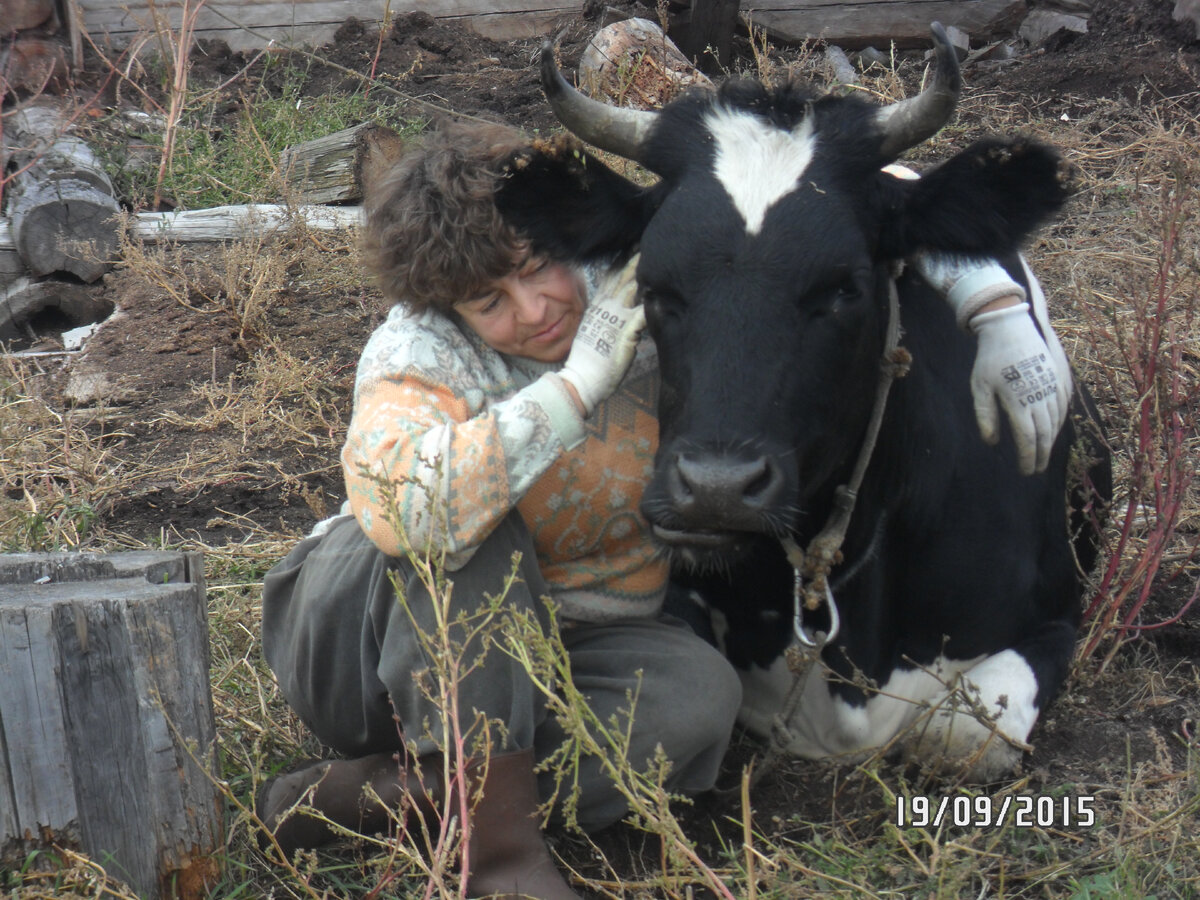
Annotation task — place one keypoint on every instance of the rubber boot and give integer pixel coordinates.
(507, 852)
(341, 795)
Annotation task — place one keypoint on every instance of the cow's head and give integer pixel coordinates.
(765, 248)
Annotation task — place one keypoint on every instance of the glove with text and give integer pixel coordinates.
(607, 338)
(1014, 368)
(1014, 371)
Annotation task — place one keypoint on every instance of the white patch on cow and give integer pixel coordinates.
(933, 709)
(1002, 688)
(756, 162)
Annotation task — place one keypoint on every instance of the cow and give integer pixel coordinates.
(772, 247)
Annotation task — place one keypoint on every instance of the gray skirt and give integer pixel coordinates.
(349, 659)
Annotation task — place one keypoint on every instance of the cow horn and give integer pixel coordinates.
(610, 128)
(909, 122)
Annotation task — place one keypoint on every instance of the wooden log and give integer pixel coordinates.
(70, 304)
(33, 65)
(20, 15)
(64, 215)
(11, 265)
(881, 23)
(329, 169)
(109, 738)
(632, 63)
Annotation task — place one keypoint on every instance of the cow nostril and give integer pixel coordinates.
(679, 484)
(761, 485)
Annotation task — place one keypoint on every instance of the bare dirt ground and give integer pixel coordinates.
(158, 351)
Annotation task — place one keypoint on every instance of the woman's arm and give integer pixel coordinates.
(426, 471)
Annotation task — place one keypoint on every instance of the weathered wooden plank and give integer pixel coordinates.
(109, 733)
(243, 24)
(29, 696)
(226, 223)
(881, 23)
(251, 23)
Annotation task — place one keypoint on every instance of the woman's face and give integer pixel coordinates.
(533, 312)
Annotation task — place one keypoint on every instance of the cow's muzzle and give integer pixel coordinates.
(698, 496)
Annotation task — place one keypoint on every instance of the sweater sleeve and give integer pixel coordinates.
(441, 445)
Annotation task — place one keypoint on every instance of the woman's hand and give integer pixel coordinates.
(1014, 372)
(1016, 369)
(607, 338)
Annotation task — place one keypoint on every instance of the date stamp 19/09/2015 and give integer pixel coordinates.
(1021, 811)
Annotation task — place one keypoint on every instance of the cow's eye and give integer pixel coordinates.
(659, 305)
(844, 295)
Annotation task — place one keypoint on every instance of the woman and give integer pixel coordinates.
(505, 405)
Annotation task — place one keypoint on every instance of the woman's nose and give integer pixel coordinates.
(530, 304)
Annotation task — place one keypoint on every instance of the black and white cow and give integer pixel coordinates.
(766, 252)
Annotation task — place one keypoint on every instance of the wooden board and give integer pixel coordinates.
(880, 23)
(231, 223)
(252, 23)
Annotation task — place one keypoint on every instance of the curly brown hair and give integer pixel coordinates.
(433, 235)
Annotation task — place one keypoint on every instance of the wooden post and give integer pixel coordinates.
(108, 738)
(331, 169)
(710, 26)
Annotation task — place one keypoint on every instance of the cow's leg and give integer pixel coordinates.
(832, 722)
(979, 725)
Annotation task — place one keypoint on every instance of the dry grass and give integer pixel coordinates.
(61, 472)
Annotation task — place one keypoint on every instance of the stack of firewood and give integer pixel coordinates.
(61, 218)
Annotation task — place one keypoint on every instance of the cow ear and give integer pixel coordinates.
(570, 205)
(985, 200)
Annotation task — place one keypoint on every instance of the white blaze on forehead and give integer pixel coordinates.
(756, 162)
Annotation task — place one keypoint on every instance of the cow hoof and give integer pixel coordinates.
(959, 746)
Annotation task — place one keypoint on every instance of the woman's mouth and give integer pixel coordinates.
(551, 333)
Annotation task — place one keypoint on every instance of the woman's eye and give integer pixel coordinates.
(486, 304)
(534, 266)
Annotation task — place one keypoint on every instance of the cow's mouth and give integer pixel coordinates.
(699, 540)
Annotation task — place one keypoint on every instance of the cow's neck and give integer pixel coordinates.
(814, 563)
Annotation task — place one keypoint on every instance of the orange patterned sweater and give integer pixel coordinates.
(448, 436)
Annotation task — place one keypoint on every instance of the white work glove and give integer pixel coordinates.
(1015, 369)
(607, 338)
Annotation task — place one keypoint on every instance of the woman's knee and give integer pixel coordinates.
(708, 695)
